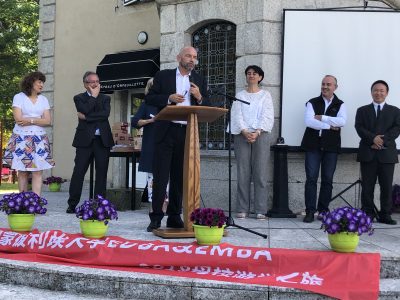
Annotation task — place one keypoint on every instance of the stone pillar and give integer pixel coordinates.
(47, 17)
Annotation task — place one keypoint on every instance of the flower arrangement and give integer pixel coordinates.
(23, 203)
(347, 219)
(99, 209)
(208, 217)
(54, 179)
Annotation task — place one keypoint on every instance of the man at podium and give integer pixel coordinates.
(180, 86)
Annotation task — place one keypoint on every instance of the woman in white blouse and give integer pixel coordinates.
(251, 126)
(28, 149)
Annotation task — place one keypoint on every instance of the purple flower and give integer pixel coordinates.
(99, 209)
(53, 179)
(347, 219)
(23, 203)
(208, 217)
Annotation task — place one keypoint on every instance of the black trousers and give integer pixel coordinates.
(370, 171)
(83, 158)
(168, 165)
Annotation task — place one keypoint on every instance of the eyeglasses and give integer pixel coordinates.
(94, 81)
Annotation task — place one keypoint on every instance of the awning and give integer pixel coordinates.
(128, 70)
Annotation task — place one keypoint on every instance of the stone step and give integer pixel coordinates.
(26, 277)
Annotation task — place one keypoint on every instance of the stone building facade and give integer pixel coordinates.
(259, 29)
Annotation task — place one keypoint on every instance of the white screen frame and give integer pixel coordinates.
(357, 47)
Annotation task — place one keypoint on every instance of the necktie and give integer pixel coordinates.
(378, 111)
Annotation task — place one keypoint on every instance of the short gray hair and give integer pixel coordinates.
(87, 74)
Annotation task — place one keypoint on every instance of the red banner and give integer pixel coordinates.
(343, 276)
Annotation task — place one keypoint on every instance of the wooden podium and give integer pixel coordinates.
(191, 164)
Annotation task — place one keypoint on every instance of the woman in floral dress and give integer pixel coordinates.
(28, 149)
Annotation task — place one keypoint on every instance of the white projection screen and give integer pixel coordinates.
(357, 47)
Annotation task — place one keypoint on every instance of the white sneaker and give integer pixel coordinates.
(241, 215)
(261, 217)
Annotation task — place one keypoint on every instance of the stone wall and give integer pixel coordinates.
(46, 55)
(259, 26)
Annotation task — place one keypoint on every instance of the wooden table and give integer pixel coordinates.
(129, 154)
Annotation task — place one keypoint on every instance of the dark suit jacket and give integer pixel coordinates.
(147, 151)
(96, 111)
(368, 127)
(164, 85)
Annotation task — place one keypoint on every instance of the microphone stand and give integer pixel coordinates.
(231, 222)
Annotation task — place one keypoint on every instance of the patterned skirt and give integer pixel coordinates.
(29, 153)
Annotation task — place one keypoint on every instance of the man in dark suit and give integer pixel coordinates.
(324, 116)
(93, 138)
(180, 86)
(378, 125)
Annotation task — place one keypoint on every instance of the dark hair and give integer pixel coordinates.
(28, 80)
(380, 82)
(257, 70)
(87, 74)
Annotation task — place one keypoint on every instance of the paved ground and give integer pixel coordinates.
(282, 233)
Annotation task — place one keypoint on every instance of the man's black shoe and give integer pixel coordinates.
(387, 220)
(153, 225)
(70, 210)
(175, 222)
(309, 218)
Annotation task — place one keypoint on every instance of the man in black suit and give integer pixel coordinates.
(93, 138)
(378, 125)
(180, 86)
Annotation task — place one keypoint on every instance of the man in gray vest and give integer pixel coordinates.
(324, 116)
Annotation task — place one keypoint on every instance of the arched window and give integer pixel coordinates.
(216, 47)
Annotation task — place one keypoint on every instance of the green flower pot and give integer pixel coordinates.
(206, 235)
(93, 229)
(344, 241)
(54, 187)
(21, 222)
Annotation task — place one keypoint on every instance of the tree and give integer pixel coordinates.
(19, 34)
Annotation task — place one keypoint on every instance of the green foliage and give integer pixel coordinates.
(9, 187)
(19, 33)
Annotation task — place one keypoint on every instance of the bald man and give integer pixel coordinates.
(183, 87)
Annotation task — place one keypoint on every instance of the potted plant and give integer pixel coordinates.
(344, 225)
(208, 224)
(54, 183)
(21, 209)
(95, 215)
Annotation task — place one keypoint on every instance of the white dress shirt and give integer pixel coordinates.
(326, 121)
(182, 87)
(376, 106)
